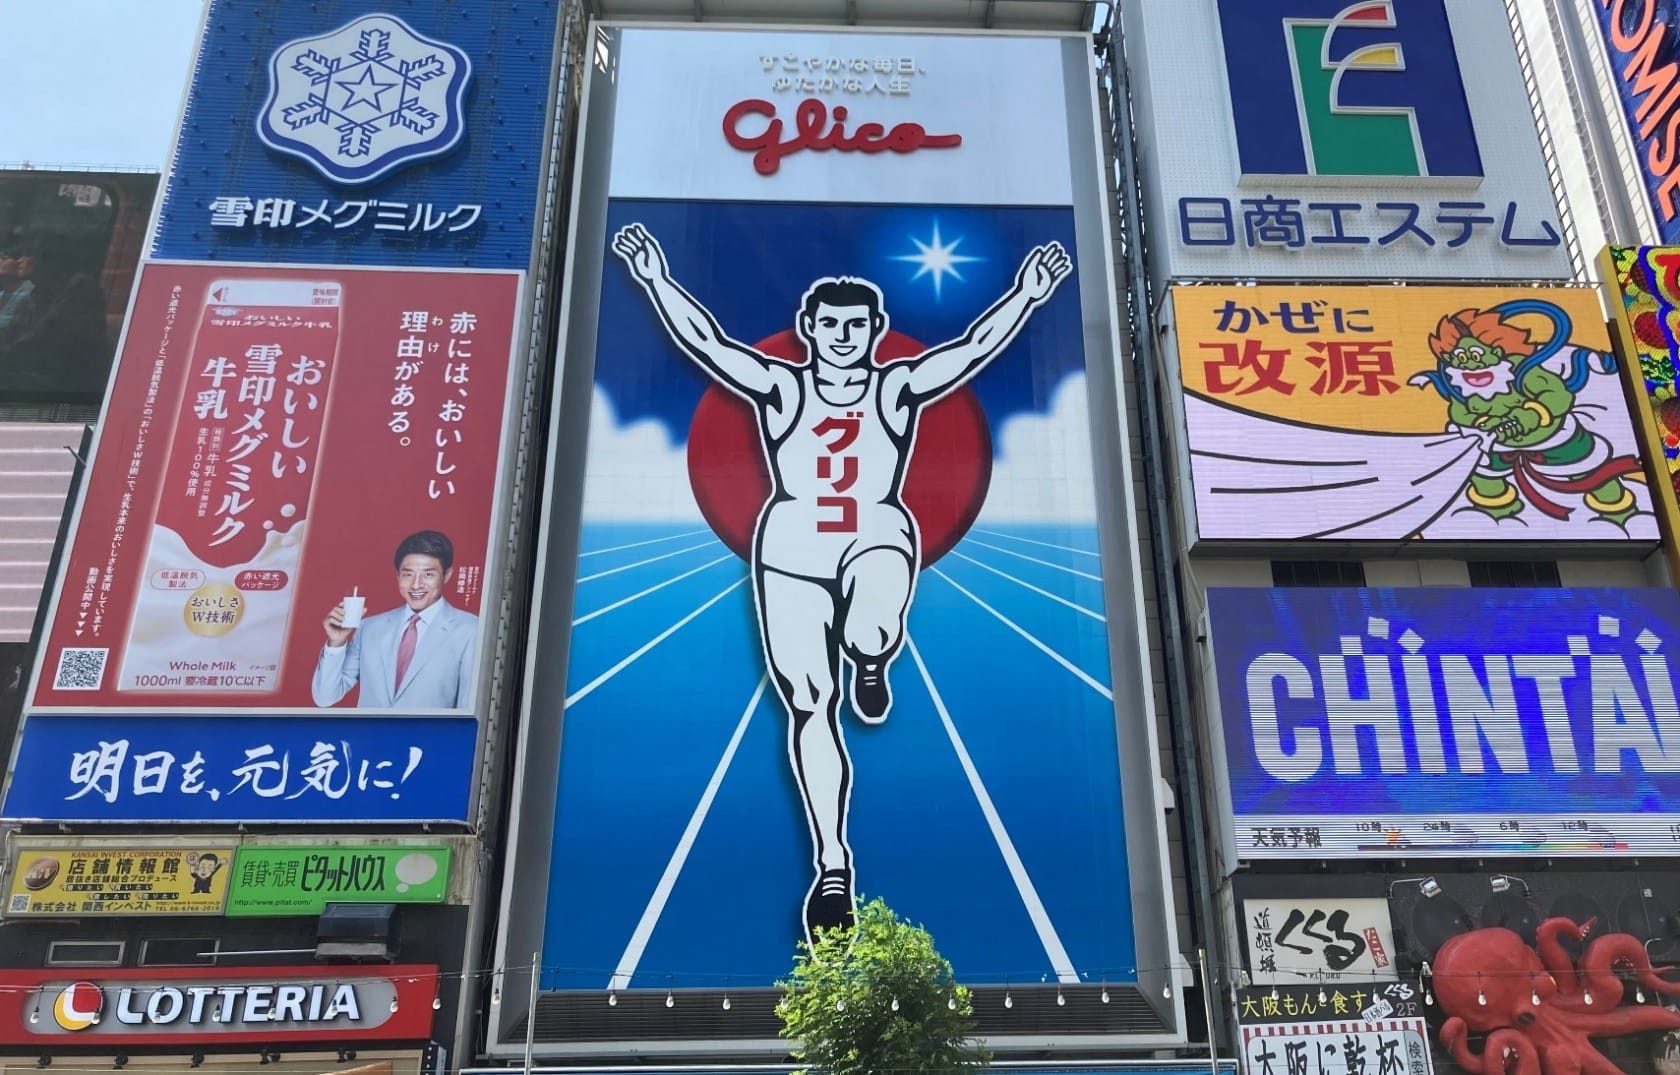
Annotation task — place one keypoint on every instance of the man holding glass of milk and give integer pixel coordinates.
(419, 655)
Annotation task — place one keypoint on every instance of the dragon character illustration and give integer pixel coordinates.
(1498, 388)
(1536, 1007)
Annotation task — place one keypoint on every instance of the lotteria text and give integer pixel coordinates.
(812, 131)
(236, 1003)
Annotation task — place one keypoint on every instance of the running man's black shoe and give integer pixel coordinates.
(871, 697)
(830, 904)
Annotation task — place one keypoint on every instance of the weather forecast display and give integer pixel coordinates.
(841, 626)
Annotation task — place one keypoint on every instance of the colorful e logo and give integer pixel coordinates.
(1329, 87)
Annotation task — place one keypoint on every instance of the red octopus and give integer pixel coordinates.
(1536, 1007)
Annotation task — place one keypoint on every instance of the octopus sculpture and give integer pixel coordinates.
(1536, 1006)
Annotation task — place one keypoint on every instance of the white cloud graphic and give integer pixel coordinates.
(1041, 472)
(634, 472)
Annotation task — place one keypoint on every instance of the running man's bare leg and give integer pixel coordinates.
(802, 650)
(875, 589)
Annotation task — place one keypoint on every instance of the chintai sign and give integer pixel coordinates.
(1448, 721)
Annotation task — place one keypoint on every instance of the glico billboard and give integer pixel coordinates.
(1447, 721)
(300, 464)
(1317, 412)
(842, 590)
(1639, 43)
(1384, 139)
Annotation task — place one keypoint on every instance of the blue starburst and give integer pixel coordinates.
(936, 259)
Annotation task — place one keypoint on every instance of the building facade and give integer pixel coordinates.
(1170, 497)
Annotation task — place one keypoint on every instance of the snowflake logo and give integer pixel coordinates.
(371, 96)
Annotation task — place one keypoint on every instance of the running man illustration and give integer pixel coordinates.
(835, 552)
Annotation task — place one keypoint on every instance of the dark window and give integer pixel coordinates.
(1514, 573)
(1318, 573)
(178, 951)
(85, 954)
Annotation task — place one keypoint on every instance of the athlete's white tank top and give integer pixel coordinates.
(838, 450)
(837, 473)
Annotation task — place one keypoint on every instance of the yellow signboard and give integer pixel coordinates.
(1644, 294)
(100, 881)
(1324, 412)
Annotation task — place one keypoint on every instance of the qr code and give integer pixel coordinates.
(80, 669)
(20, 902)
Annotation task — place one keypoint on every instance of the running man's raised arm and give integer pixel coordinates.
(950, 364)
(691, 325)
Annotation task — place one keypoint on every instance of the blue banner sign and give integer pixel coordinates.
(182, 768)
(1639, 42)
(363, 132)
(1440, 721)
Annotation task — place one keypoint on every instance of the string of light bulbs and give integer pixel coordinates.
(678, 982)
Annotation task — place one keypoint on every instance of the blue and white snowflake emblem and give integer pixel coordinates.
(371, 96)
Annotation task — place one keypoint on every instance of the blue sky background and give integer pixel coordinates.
(751, 263)
(102, 80)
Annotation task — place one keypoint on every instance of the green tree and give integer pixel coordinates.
(877, 999)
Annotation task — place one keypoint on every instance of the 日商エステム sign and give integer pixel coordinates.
(1385, 139)
(1301, 106)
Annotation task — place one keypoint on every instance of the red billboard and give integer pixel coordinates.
(285, 452)
(206, 1005)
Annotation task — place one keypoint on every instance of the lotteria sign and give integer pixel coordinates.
(1449, 720)
(221, 1003)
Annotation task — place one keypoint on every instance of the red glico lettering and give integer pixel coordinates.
(811, 130)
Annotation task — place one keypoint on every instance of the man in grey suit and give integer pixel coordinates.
(419, 655)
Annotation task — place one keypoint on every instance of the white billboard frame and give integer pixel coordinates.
(532, 785)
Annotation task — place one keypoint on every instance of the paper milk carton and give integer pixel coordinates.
(222, 556)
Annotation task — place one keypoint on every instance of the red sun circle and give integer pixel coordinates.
(944, 486)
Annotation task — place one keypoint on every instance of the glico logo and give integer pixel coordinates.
(79, 1005)
(814, 130)
(1325, 87)
(371, 96)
